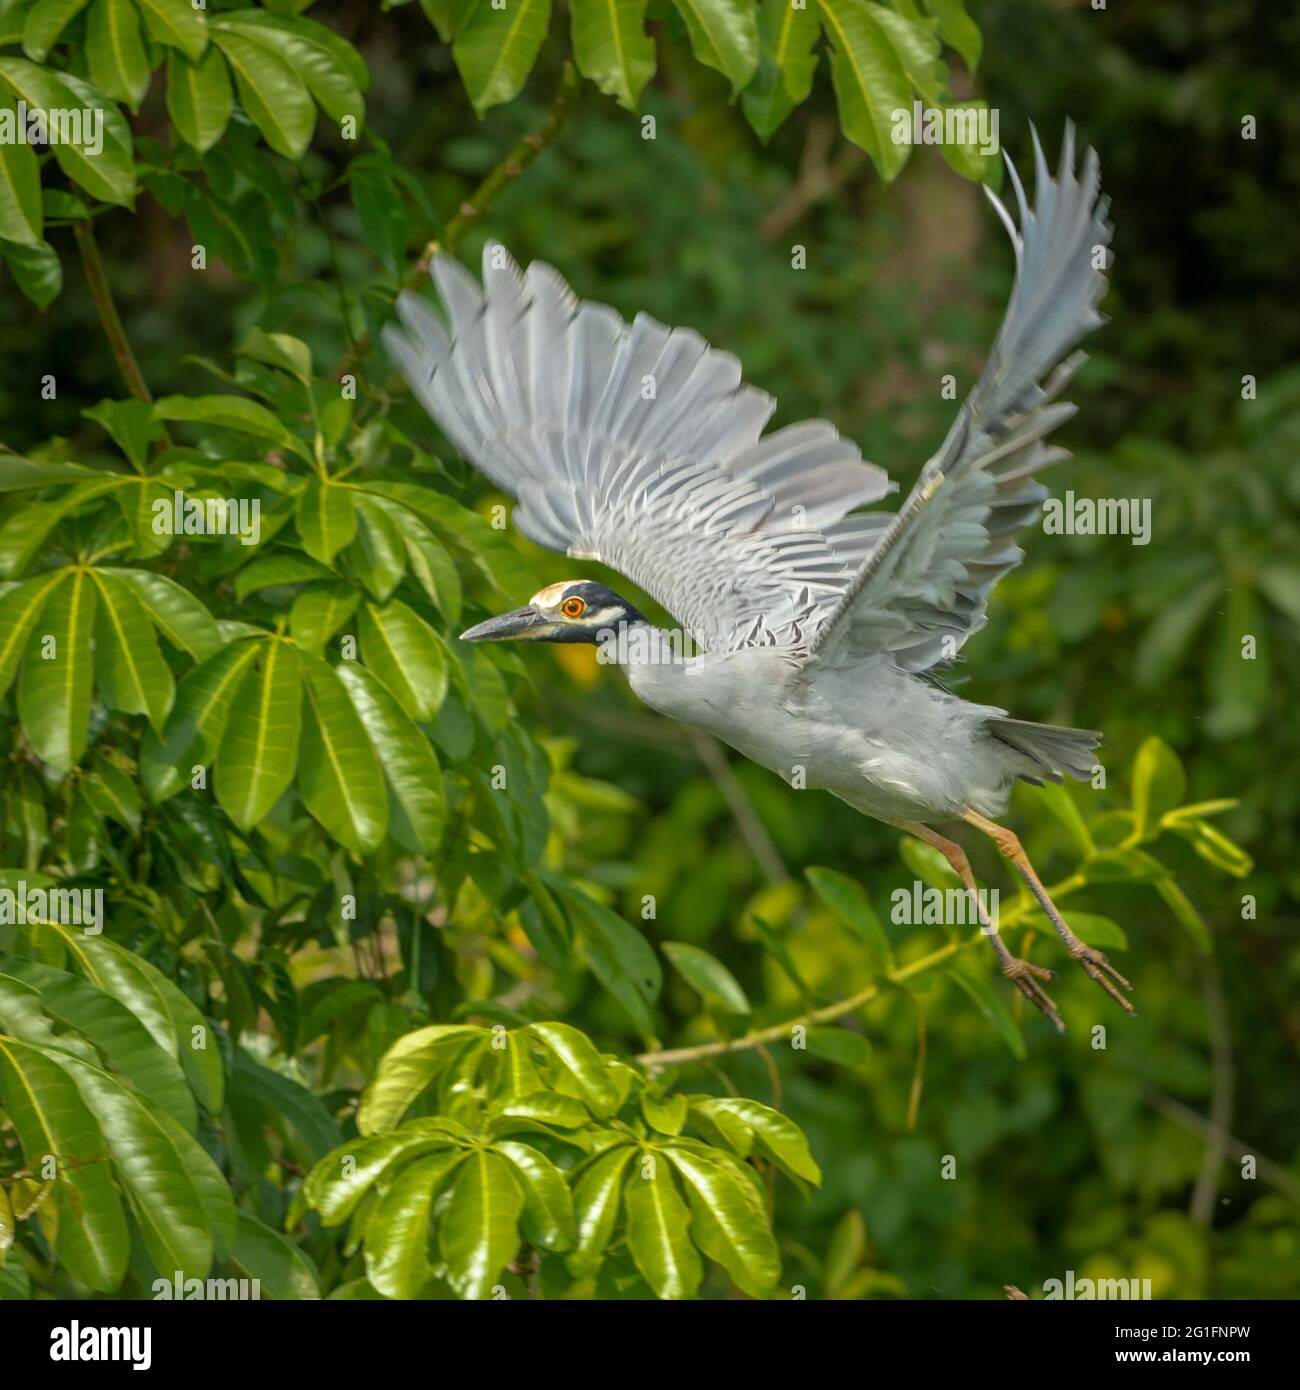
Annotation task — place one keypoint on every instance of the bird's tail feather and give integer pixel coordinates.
(1051, 749)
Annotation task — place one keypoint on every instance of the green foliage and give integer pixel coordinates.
(379, 1005)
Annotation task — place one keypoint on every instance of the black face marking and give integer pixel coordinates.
(605, 613)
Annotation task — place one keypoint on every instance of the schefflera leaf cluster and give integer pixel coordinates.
(523, 1161)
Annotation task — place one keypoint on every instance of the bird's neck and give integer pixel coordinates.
(640, 643)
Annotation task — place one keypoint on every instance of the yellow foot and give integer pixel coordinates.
(1101, 970)
(1025, 977)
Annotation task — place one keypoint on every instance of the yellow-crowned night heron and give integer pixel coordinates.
(821, 625)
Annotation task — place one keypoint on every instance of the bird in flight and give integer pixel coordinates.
(820, 627)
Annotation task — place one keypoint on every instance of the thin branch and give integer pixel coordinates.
(779, 1032)
(483, 197)
(751, 827)
(1216, 1150)
(105, 307)
(1188, 1119)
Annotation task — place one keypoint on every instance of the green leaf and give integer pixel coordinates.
(113, 795)
(118, 64)
(282, 1269)
(50, 1117)
(333, 70)
(724, 36)
(1158, 784)
(199, 98)
(117, 1032)
(339, 775)
(280, 350)
(850, 904)
(133, 677)
(406, 1069)
(495, 49)
(107, 173)
(172, 1019)
(611, 48)
(780, 1139)
(130, 424)
(596, 1205)
(839, 1045)
(176, 24)
(1215, 847)
(479, 1232)
(396, 1239)
(1093, 929)
(668, 1116)
(37, 271)
(1239, 684)
(957, 29)
(175, 612)
(380, 209)
(18, 474)
(318, 612)
(20, 610)
(259, 751)
(989, 1003)
(326, 518)
(1060, 803)
(548, 1220)
(787, 62)
(55, 684)
(22, 217)
(45, 21)
(577, 1056)
(417, 810)
(916, 43)
(708, 977)
(407, 655)
(197, 723)
(870, 82)
(227, 412)
(336, 1185)
(1185, 913)
(1123, 866)
(729, 1220)
(270, 91)
(658, 1230)
(378, 554)
(159, 1169)
(621, 957)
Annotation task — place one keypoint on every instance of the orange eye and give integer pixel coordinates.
(573, 607)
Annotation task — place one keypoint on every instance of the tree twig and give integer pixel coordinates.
(1185, 1116)
(481, 200)
(742, 811)
(106, 308)
(779, 1032)
(1216, 1148)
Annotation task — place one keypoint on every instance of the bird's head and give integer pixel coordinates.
(575, 610)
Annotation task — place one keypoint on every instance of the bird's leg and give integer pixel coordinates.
(1096, 964)
(1021, 973)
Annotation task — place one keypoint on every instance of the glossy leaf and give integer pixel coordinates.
(55, 684)
(479, 1231)
(259, 752)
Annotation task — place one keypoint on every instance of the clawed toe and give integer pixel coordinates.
(1025, 977)
(1099, 968)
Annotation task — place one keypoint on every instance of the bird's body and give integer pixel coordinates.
(822, 625)
(891, 744)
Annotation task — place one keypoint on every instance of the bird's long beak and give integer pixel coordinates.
(524, 623)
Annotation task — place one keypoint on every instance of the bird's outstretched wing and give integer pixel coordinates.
(639, 446)
(923, 587)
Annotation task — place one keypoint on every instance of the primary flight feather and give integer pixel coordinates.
(641, 447)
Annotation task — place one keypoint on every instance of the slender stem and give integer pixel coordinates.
(827, 1014)
(482, 199)
(109, 318)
